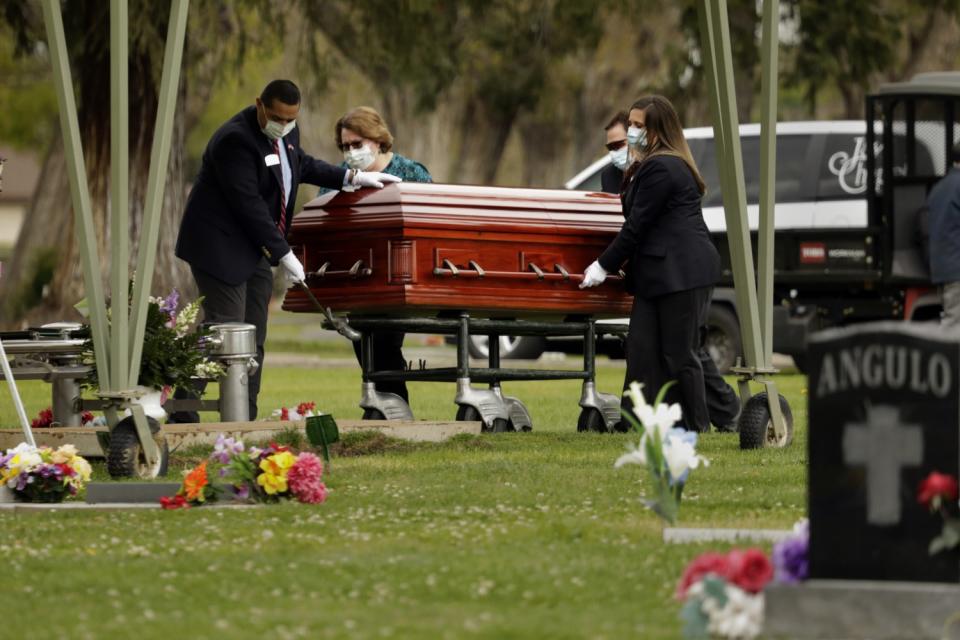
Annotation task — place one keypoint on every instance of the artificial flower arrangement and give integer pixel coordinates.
(45, 419)
(174, 349)
(669, 453)
(938, 492)
(256, 475)
(723, 593)
(303, 410)
(42, 474)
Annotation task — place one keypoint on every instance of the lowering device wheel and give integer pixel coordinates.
(756, 426)
(372, 414)
(591, 420)
(466, 413)
(125, 458)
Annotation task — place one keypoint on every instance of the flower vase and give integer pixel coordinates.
(151, 400)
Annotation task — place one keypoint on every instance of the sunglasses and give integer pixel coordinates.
(356, 144)
(618, 144)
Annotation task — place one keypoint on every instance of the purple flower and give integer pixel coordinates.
(225, 448)
(790, 556)
(241, 491)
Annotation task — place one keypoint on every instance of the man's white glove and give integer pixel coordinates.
(373, 179)
(594, 275)
(292, 269)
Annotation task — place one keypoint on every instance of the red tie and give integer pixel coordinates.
(282, 224)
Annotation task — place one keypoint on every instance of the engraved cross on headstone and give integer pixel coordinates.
(884, 447)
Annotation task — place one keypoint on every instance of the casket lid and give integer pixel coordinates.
(430, 203)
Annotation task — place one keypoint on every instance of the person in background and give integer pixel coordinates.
(611, 178)
(723, 404)
(240, 209)
(673, 264)
(943, 220)
(367, 145)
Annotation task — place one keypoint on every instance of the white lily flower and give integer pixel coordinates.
(681, 456)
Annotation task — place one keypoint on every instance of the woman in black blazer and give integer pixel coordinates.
(672, 264)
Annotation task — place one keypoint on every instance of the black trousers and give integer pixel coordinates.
(247, 302)
(663, 344)
(723, 404)
(388, 356)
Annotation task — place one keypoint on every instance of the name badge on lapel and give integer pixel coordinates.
(271, 159)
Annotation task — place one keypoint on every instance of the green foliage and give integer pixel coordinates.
(174, 350)
(26, 93)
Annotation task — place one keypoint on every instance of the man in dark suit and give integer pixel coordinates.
(723, 404)
(240, 209)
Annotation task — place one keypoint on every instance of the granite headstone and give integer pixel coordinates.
(884, 411)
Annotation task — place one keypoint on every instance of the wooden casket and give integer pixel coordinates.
(420, 249)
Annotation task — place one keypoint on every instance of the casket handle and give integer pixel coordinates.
(477, 268)
(448, 266)
(562, 271)
(322, 271)
(537, 270)
(356, 269)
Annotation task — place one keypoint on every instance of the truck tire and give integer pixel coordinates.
(722, 340)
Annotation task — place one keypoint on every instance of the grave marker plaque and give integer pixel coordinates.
(884, 411)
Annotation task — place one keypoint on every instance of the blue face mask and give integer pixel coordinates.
(637, 138)
(620, 158)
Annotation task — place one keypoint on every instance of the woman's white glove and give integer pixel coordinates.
(292, 269)
(373, 179)
(594, 275)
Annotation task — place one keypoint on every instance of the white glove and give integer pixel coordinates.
(373, 179)
(292, 269)
(594, 275)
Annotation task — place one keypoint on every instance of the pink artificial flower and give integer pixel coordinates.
(305, 479)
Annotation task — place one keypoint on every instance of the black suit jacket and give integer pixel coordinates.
(230, 221)
(664, 235)
(611, 179)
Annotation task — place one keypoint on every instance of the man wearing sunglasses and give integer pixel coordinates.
(611, 178)
(240, 209)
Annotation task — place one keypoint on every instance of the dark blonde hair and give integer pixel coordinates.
(661, 120)
(367, 123)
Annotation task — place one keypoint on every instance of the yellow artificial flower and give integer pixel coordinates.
(82, 467)
(64, 454)
(275, 469)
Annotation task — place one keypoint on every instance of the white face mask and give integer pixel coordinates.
(620, 157)
(637, 138)
(274, 130)
(360, 158)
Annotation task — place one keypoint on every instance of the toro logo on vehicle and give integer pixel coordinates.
(813, 252)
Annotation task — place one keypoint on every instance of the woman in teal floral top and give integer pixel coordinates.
(367, 145)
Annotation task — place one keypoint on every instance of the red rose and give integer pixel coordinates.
(284, 413)
(710, 562)
(937, 485)
(176, 502)
(86, 417)
(750, 569)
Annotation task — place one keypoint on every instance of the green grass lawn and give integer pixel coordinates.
(498, 536)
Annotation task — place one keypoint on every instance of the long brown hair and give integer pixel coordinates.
(661, 120)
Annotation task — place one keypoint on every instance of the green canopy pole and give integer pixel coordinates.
(769, 45)
(734, 192)
(79, 191)
(159, 161)
(119, 195)
(769, 42)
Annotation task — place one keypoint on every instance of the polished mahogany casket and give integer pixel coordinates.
(420, 249)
